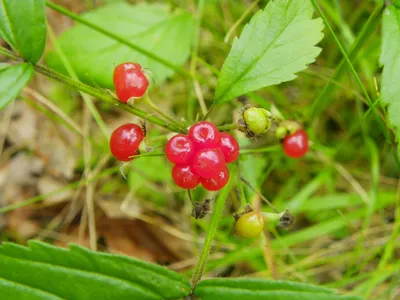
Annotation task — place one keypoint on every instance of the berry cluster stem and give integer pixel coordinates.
(154, 107)
(95, 92)
(227, 127)
(216, 216)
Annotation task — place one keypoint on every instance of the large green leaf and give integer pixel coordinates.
(23, 26)
(13, 79)
(77, 273)
(277, 43)
(94, 55)
(256, 289)
(390, 59)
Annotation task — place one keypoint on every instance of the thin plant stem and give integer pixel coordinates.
(259, 194)
(273, 148)
(216, 216)
(240, 20)
(228, 127)
(154, 107)
(359, 82)
(95, 92)
(193, 62)
(209, 111)
(71, 72)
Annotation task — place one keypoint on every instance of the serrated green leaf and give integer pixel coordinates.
(78, 273)
(94, 55)
(256, 289)
(390, 59)
(13, 79)
(277, 43)
(12, 290)
(23, 26)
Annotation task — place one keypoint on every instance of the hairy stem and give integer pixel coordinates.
(216, 216)
(97, 93)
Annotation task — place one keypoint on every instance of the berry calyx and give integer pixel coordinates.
(229, 147)
(208, 163)
(185, 176)
(216, 183)
(129, 81)
(249, 225)
(179, 149)
(125, 141)
(204, 135)
(256, 120)
(296, 145)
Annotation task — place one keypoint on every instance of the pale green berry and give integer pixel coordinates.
(281, 132)
(250, 225)
(256, 120)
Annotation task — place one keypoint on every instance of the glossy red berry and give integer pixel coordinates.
(296, 145)
(208, 162)
(204, 135)
(125, 141)
(185, 177)
(229, 147)
(216, 183)
(179, 149)
(129, 81)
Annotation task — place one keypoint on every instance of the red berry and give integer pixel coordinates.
(129, 81)
(179, 149)
(208, 163)
(125, 141)
(296, 145)
(185, 177)
(216, 183)
(229, 147)
(204, 135)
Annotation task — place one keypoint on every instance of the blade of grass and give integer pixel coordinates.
(322, 102)
(307, 234)
(382, 126)
(68, 187)
(55, 109)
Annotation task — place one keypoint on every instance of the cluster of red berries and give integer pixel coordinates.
(201, 156)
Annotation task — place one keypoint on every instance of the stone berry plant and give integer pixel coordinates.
(278, 42)
(201, 155)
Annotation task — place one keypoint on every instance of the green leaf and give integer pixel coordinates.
(249, 289)
(23, 26)
(94, 55)
(78, 273)
(277, 43)
(13, 79)
(390, 59)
